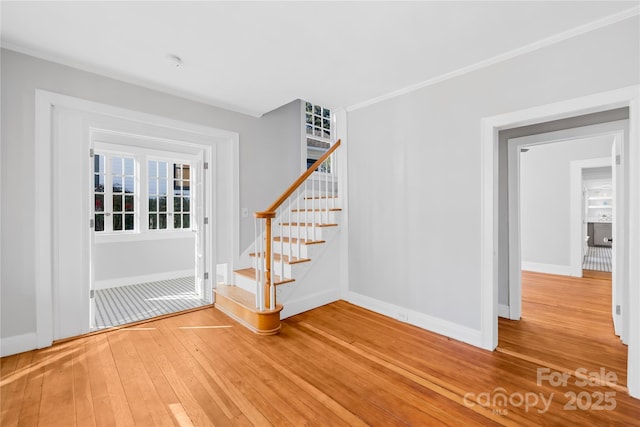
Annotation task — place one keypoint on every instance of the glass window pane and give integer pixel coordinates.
(186, 219)
(317, 110)
(177, 223)
(117, 184)
(317, 121)
(117, 222)
(185, 192)
(153, 186)
(99, 222)
(128, 184)
(117, 203)
(153, 204)
(326, 134)
(317, 131)
(162, 187)
(128, 166)
(98, 183)
(98, 163)
(326, 124)
(116, 165)
(309, 119)
(185, 204)
(177, 171)
(128, 203)
(153, 168)
(162, 169)
(153, 221)
(162, 223)
(308, 107)
(326, 113)
(309, 130)
(163, 204)
(176, 204)
(99, 203)
(128, 222)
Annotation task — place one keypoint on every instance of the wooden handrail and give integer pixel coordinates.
(289, 191)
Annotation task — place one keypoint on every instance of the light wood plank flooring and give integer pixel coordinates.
(335, 365)
(566, 322)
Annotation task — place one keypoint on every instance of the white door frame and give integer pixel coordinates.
(624, 97)
(45, 169)
(514, 310)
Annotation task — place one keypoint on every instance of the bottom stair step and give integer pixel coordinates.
(239, 304)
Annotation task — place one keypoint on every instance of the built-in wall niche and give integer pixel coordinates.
(598, 197)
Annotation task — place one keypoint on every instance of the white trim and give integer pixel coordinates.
(627, 96)
(503, 311)
(201, 136)
(309, 302)
(557, 38)
(145, 278)
(18, 344)
(539, 267)
(341, 157)
(416, 318)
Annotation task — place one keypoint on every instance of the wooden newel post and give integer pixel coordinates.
(267, 216)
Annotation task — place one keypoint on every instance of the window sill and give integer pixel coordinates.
(143, 236)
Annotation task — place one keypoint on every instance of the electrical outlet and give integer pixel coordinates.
(245, 213)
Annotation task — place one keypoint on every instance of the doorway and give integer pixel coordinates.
(565, 319)
(65, 129)
(145, 236)
(495, 247)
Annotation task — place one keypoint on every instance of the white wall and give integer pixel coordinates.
(121, 263)
(269, 161)
(545, 200)
(414, 172)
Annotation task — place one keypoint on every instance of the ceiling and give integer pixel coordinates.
(253, 57)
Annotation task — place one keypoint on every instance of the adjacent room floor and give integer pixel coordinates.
(566, 324)
(597, 258)
(133, 303)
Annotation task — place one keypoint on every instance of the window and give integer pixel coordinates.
(121, 182)
(318, 131)
(114, 193)
(169, 210)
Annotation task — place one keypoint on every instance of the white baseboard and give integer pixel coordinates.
(18, 344)
(134, 280)
(421, 320)
(309, 302)
(503, 311)
(561, 270)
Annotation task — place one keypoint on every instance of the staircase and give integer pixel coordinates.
(290, 234)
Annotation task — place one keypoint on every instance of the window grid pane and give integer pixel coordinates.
(181, 194)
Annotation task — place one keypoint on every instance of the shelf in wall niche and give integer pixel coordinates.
(600, 198)
(600, 207)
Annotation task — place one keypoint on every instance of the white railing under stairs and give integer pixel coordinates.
(292, 222)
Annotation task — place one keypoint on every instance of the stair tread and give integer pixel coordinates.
(317, 210)
(287, 259)
(294, 240)
(321, 197)
(251, 274)
(308, 224)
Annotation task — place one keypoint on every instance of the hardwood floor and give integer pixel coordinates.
(566, 323)
(335, 365)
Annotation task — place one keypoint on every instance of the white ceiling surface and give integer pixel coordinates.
(253, 57)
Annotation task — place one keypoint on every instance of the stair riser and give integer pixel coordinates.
(316, 204)
(317, 217)
(290, 270)
(321, 233)
(305, 251)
